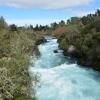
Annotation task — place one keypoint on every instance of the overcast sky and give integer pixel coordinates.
(44, 12)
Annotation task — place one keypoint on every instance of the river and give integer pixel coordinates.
(61, 78)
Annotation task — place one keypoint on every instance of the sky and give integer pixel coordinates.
(26, 12)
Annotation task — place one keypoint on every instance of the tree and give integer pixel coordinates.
(36, 27)
(13, 27)
(3, 24)
(62, 23)
(68, 21)
(54, 25)
(75, 20)
(84, 20)
(31, 27)
(98, 12)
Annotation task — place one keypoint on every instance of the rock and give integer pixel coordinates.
(55, 51)
(71, 49)
(40, 40)
(53, 37)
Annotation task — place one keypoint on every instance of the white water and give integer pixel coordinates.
(62, 80)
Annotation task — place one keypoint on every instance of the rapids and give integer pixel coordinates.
(61, 78)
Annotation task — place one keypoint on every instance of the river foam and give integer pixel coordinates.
(62, 80)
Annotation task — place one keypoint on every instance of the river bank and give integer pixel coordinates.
(80, 39)
(16, 47)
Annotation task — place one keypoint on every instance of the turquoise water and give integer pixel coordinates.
(61, 78)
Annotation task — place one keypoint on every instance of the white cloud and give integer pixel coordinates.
(47, 4)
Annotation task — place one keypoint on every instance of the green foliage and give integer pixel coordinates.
(3, 24)
(15, 48)
(54, 25)
(97, 36)
(63, 44)
(61, 23)
(13, 27)
(84, 34)
(7, 86)
(39, 40)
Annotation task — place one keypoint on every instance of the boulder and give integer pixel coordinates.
(71, 50)
(55, 51)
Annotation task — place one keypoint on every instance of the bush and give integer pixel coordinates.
(16, 46)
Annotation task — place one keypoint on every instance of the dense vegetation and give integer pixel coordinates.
(80, 38)
(16, 46)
